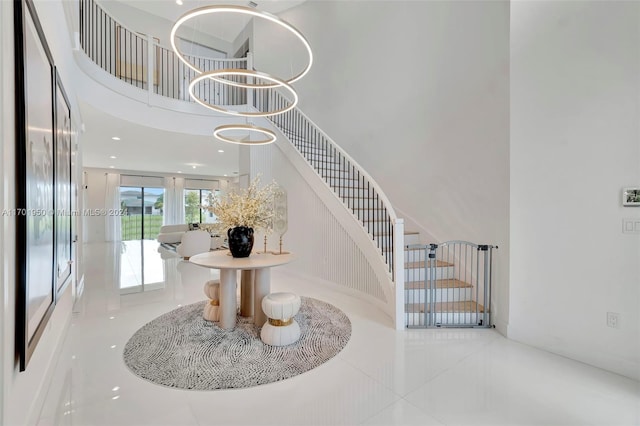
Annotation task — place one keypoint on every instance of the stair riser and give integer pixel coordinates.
(414, 255)
(411, 239)
(384, 244)
(418, 319)
(418, 274)
(441, 295)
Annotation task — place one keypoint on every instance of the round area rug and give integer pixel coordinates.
(182, 350)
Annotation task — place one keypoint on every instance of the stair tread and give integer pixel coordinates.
(419, 285)
(445, 307)
(421, 264)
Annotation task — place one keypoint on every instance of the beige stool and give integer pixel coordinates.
(212, 309)
(280, 329)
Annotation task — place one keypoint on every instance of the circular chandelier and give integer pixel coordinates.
(244, 10)
(253, 79)
(270, 136)
(247, 73)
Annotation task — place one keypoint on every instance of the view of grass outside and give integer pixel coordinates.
(142, 204)
(132, 227)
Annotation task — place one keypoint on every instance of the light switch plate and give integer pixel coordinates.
(631, 226)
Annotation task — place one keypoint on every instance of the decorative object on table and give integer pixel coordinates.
(631, 197)
(250, 210)
(212, 309)
(280, 214)
(240, 241)
(180, 349)
(280, 329)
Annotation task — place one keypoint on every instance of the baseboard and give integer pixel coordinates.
(594, 358)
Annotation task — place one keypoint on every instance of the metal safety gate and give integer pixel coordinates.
(448, 284)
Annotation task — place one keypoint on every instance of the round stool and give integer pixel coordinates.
(280, 329)
(212, 309)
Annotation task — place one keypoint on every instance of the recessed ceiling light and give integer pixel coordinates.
(224, 175)
(193, 167)
(179, 2)
(116, 389)
(112, 167)
(113, 157)
(115, 138)
(179, 171)
(221, 150)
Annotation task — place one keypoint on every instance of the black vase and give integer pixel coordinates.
(240, 241)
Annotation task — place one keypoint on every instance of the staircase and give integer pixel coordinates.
(436, 291)
(358, 191)
(447, 286)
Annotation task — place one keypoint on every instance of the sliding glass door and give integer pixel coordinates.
(141, 268)
(144, 212)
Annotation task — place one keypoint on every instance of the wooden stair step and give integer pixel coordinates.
(421, 264)
(419, 285)
(445, 307)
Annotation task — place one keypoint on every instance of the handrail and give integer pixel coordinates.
(356, 188)
(364, 173)
(143, 62)
(203, 57)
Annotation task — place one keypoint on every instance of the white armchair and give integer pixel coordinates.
(194, 242)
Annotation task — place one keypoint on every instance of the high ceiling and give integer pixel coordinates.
(226, 28)
(148, 149)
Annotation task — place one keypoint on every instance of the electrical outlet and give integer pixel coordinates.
(613, 319)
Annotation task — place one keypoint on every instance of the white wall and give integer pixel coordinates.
(95, 187)
(418, 94)
(575, 86)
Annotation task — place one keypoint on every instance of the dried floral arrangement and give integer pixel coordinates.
(251, 207)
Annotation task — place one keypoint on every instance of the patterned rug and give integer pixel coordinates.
(182, 350)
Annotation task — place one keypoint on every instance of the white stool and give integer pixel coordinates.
(212, 309)
(280, 329)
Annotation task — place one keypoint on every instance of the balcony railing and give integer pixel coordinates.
(139, 59)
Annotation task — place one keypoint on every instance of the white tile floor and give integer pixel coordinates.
(382, 377)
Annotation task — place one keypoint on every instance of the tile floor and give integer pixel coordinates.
(382, 377)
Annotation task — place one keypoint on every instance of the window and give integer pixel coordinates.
(193, 199)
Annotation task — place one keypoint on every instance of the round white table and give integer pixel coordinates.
(256, 282)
